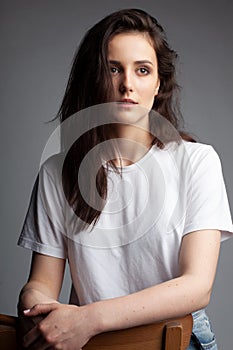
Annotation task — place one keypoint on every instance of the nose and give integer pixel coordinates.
(126, 83)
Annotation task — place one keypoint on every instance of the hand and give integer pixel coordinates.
(66, 327)
(27, 299)
(26, 324)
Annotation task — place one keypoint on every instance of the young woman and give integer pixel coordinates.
(136, 207)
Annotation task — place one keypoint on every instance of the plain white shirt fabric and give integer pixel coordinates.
(149, 208)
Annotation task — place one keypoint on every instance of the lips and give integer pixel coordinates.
(127, 101)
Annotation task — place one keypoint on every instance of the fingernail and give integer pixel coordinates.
(26, 311)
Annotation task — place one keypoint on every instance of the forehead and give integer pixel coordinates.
(131, 44)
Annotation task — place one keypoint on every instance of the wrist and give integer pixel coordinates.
(95, 318)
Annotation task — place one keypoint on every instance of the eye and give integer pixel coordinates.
(114, 70)
(144, 71)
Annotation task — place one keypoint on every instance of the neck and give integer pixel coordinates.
(131, 143)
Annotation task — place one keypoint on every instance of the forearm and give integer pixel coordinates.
(173, 298)
(179, 296)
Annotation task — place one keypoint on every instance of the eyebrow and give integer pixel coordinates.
(136, 62)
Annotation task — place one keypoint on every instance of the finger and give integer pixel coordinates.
(40, 309)
(31, 336)
(40, 344)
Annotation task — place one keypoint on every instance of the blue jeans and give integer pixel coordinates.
(203, 337)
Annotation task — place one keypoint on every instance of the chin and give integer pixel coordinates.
(129, 113)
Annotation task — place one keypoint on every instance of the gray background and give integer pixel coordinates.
(38, 40)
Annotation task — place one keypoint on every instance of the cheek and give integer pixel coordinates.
(146, 88)
(115, 85)
(149, 91)
(155, 89)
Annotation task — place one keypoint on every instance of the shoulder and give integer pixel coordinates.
(187, 157)
(204, 162)
(190, 158)
(197, 147)
(199, 153)
(195, 152)
(53, 166)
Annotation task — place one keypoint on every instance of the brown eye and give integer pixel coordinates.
(144, 71)
(114, 70)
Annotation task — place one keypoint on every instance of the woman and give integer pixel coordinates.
(137, 208)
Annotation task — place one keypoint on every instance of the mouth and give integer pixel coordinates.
(127, 102)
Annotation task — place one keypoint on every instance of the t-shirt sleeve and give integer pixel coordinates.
(43, 229)
(208, 206)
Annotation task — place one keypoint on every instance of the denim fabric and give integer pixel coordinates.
(203, 337)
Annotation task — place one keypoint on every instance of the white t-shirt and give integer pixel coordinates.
(149, 208)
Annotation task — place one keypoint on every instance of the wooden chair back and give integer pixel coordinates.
(172, 334)
(8, 337)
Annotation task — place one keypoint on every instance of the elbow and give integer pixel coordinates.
(23, 299)
(198, 294)
(204, 302)
(204, 298)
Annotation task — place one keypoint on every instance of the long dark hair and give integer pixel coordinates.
(90, 84)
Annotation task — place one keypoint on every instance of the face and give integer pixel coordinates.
(134, 70)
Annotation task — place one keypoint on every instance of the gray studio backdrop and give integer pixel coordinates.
(38, 40)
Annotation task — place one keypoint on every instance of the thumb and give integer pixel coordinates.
(39, 309)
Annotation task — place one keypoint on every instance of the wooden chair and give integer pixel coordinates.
(8, 337)
(172, 334)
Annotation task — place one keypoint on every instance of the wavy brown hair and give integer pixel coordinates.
(90, 84)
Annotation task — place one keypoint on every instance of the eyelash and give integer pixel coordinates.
(147, 70)
(114, 68)
(118, 70)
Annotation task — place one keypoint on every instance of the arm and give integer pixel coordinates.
(43, 286)
(188, 292)
(179, 296)
(44, 283)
